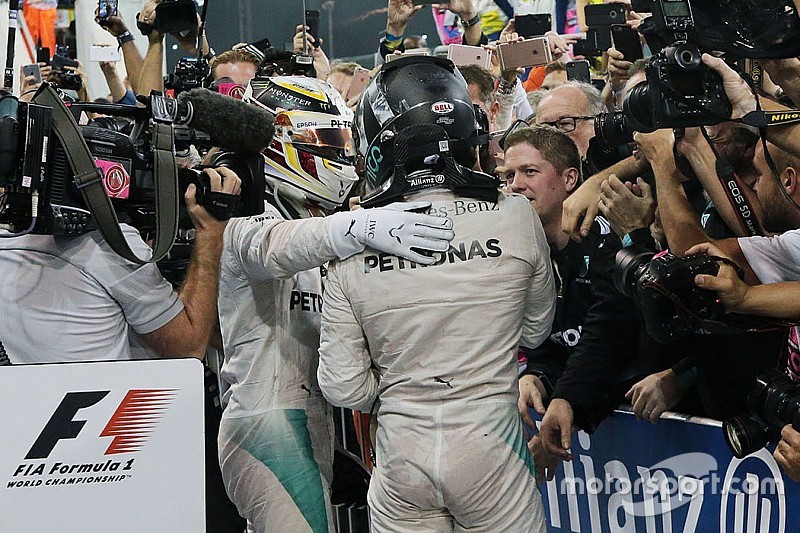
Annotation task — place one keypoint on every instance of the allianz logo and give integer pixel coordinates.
(645, 498)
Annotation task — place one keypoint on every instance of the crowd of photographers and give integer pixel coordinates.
(664, 179)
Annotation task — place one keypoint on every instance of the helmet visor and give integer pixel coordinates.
(325, 135)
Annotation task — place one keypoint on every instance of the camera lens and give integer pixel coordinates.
(638, 109)
(612, 128)
(744, 435)
(630, 263)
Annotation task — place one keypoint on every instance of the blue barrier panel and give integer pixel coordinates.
(674, 476)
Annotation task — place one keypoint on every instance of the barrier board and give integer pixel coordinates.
(675, 476)
(99, 447)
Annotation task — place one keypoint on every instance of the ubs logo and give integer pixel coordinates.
(756, 502)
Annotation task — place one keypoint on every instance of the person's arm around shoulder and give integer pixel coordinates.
(187, 334)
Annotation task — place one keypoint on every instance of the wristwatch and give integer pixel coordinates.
(471, 22)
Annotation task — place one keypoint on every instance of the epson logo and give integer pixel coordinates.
(443, 108)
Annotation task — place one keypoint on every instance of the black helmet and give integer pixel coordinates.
(416, 128)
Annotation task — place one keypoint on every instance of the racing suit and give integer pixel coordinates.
(276, 435)
(437, 344)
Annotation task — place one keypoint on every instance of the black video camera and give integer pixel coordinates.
(773, 403)
(663, 288)
(680, 90)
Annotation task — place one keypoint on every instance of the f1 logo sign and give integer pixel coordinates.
(62, 424)
(132, 422)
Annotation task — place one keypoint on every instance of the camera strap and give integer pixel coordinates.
(733, 191)
(89, 181)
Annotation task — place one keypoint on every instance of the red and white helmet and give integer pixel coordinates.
(313, 150)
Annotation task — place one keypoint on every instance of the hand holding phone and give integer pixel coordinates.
(462, 55)
(360, 80)
(579, 71)
(522, 54)
(311, 19)
(626, 40)
(32, 70)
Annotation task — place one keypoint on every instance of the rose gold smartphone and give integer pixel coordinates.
(523, 54)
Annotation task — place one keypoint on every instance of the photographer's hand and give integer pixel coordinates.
(786, 74)
(656, 147)
(741, 97)
(27, 86)
(732, 291)
(618, 69)
(787, 453)
(627, 207)
(113, 24)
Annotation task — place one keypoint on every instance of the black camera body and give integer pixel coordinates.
(285, 63)
(773, 403)
(190, 73)
(176, 16)
(680, 91)
(663, 288)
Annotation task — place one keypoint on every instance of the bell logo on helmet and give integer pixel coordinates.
(443, 108)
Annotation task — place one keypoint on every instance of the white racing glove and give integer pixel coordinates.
(395, 229)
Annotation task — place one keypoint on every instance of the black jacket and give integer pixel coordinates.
(592, 355)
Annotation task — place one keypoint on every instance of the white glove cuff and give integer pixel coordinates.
(343, 231)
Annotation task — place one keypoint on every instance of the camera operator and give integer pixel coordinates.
(152, 75)
(94, 295)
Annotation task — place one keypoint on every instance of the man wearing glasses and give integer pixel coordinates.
(571, 108)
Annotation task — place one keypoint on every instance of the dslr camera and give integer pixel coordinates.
(773, 403)
(680, 90)
(190, 73)
(662, 285)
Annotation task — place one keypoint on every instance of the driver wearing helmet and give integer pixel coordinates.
(433, 350)
(276, 435)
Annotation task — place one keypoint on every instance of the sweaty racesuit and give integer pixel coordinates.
(276, 435)
(438, 345)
